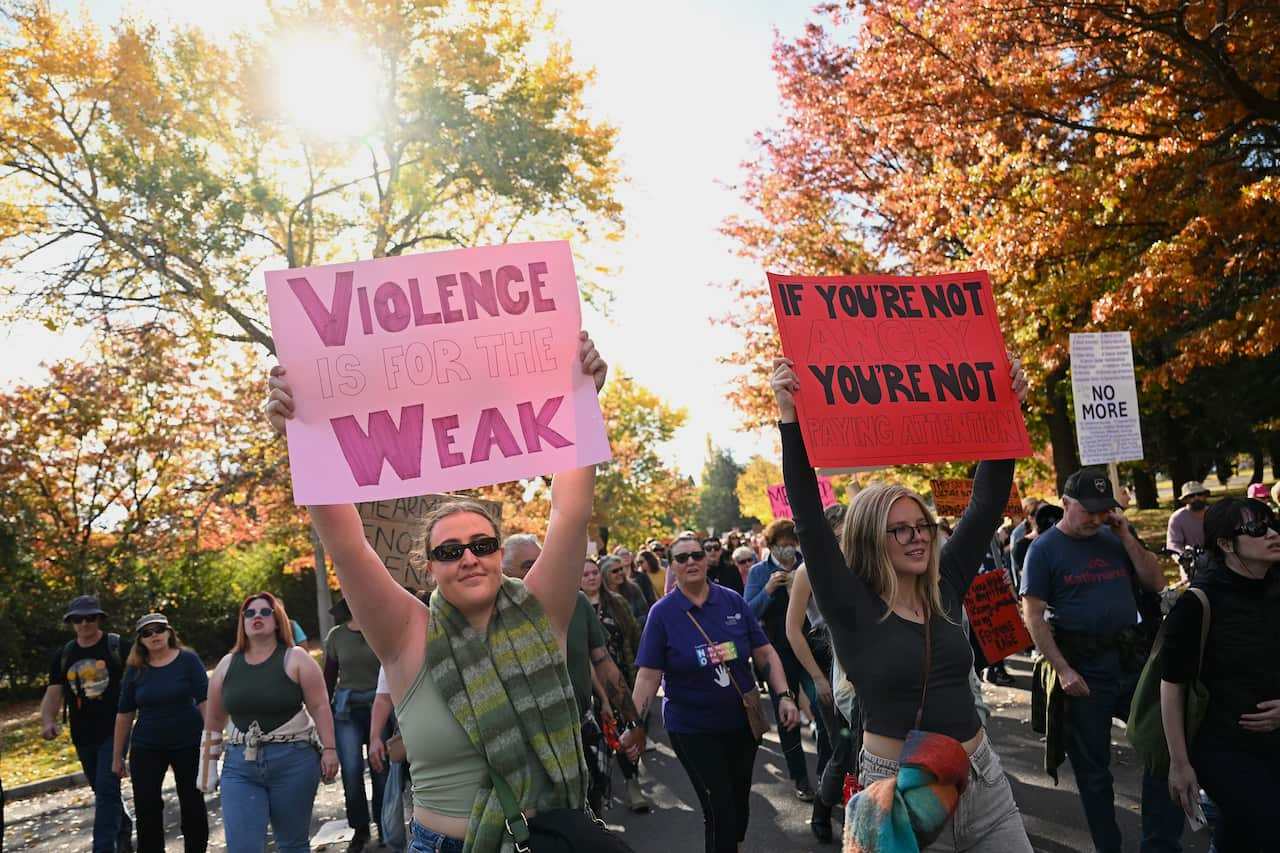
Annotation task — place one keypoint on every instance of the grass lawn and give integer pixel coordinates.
(27, 757)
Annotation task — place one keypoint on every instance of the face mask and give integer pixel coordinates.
(785, 553)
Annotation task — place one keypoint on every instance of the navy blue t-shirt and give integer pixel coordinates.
(1086, 583)
(700, 697)
(165, 698)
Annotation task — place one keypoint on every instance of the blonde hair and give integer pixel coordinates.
(864, 542)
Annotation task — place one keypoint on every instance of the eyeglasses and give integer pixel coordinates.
(153, 632)
(745, 561)
(689, 555)
(904, 533)
(451, 552)
(1256, 529)
(76, 620)
(264, 612)
(710, 547)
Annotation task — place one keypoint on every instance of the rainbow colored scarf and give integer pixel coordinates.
(904, 814)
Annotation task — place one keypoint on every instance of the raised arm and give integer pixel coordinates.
(556, 575)
(389, 611)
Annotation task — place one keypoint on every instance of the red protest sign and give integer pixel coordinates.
(895, 370)
(994, 617)
(950, 497)
(780, 506)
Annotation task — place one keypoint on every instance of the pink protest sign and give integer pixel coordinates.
(432, 373)
(781, 507)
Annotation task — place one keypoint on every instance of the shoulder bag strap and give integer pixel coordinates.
(928, 655)
(732, 680)
(517, 825)
(1204, 626)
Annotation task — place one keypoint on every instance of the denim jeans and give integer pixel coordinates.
(429, 841)
(392, 818)
(986, 820)
(278, 786)
(351, 731)
(111, 823)
(1089, 750)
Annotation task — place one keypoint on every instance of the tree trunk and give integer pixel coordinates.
(1062, 436)
(1273, 450)
(1258, 461)
(1181, 468)
(323, 601)
(1224, 467)
(1144, 487)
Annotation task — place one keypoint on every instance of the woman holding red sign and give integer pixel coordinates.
(891, 595)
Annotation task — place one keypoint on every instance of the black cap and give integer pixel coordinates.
(1092, 488)
(84, 605)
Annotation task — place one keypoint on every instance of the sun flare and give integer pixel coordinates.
(326, 85)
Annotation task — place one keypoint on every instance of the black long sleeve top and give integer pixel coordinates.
(884, 657)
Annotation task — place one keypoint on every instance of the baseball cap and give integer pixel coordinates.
(1258, 491)
(1092, 488)
(84, 605)
(151, 619)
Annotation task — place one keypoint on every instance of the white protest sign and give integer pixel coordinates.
(1106, 398)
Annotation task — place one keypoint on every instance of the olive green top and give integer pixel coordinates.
(261, 693)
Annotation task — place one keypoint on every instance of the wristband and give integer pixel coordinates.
(787, 694)
(329, 749)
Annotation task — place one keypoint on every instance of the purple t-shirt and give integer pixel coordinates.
(700, 697)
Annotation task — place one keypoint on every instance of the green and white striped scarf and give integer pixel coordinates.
(510, 691)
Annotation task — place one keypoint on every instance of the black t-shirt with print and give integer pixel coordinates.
(91, 685)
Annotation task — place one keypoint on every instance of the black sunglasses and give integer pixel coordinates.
(264, 612)
(76, 620)
(745, 560)
(689, 555)
(1256, 529)
(451, 552)
(152, 632)
(711, 546)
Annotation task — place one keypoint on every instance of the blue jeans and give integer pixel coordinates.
(279, 786)
(1089, 749)
(392, 817)
(111, 823)
(429, 841)
(351, 729)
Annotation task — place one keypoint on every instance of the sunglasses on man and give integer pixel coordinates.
(451, 552)
(711, 546)
(76, 620)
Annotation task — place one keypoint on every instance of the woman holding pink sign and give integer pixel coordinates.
(891, 594)
(458, 668)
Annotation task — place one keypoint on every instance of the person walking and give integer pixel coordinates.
(654, 572)
(1079, 603)
(617, 580)
(84, 681)
(1236, 753)
(720, 567)
(161, 712)
(696, 645)
(281, 742)
(892, 597)
(351, 677)
(635, 574)
(508, 637)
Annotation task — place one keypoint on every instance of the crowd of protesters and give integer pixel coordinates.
(490, 711)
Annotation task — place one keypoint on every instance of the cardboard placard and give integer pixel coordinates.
(1105, 392)
(994, 616)
(951, 497)
(781, 507)
(895, 370)
(434, 373)
(392, 527)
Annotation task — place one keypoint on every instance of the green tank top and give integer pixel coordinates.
(260, 692)
(444, 766)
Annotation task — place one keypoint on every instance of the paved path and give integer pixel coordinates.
(61, 821)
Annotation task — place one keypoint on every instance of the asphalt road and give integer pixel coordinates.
(62, 821)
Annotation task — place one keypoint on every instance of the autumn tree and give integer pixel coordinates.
(1113, 165)
(752, 487)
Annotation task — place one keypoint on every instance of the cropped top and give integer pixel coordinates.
(884, 657)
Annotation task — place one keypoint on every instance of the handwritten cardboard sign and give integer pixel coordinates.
(434, 373)
(781, 507)
(394, 529)
(951, 497)
(895, 370)
(994, 616)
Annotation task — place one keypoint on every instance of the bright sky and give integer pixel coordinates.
(687, 82)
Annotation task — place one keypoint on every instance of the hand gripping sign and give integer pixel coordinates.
(432, 373)
(895, 370)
